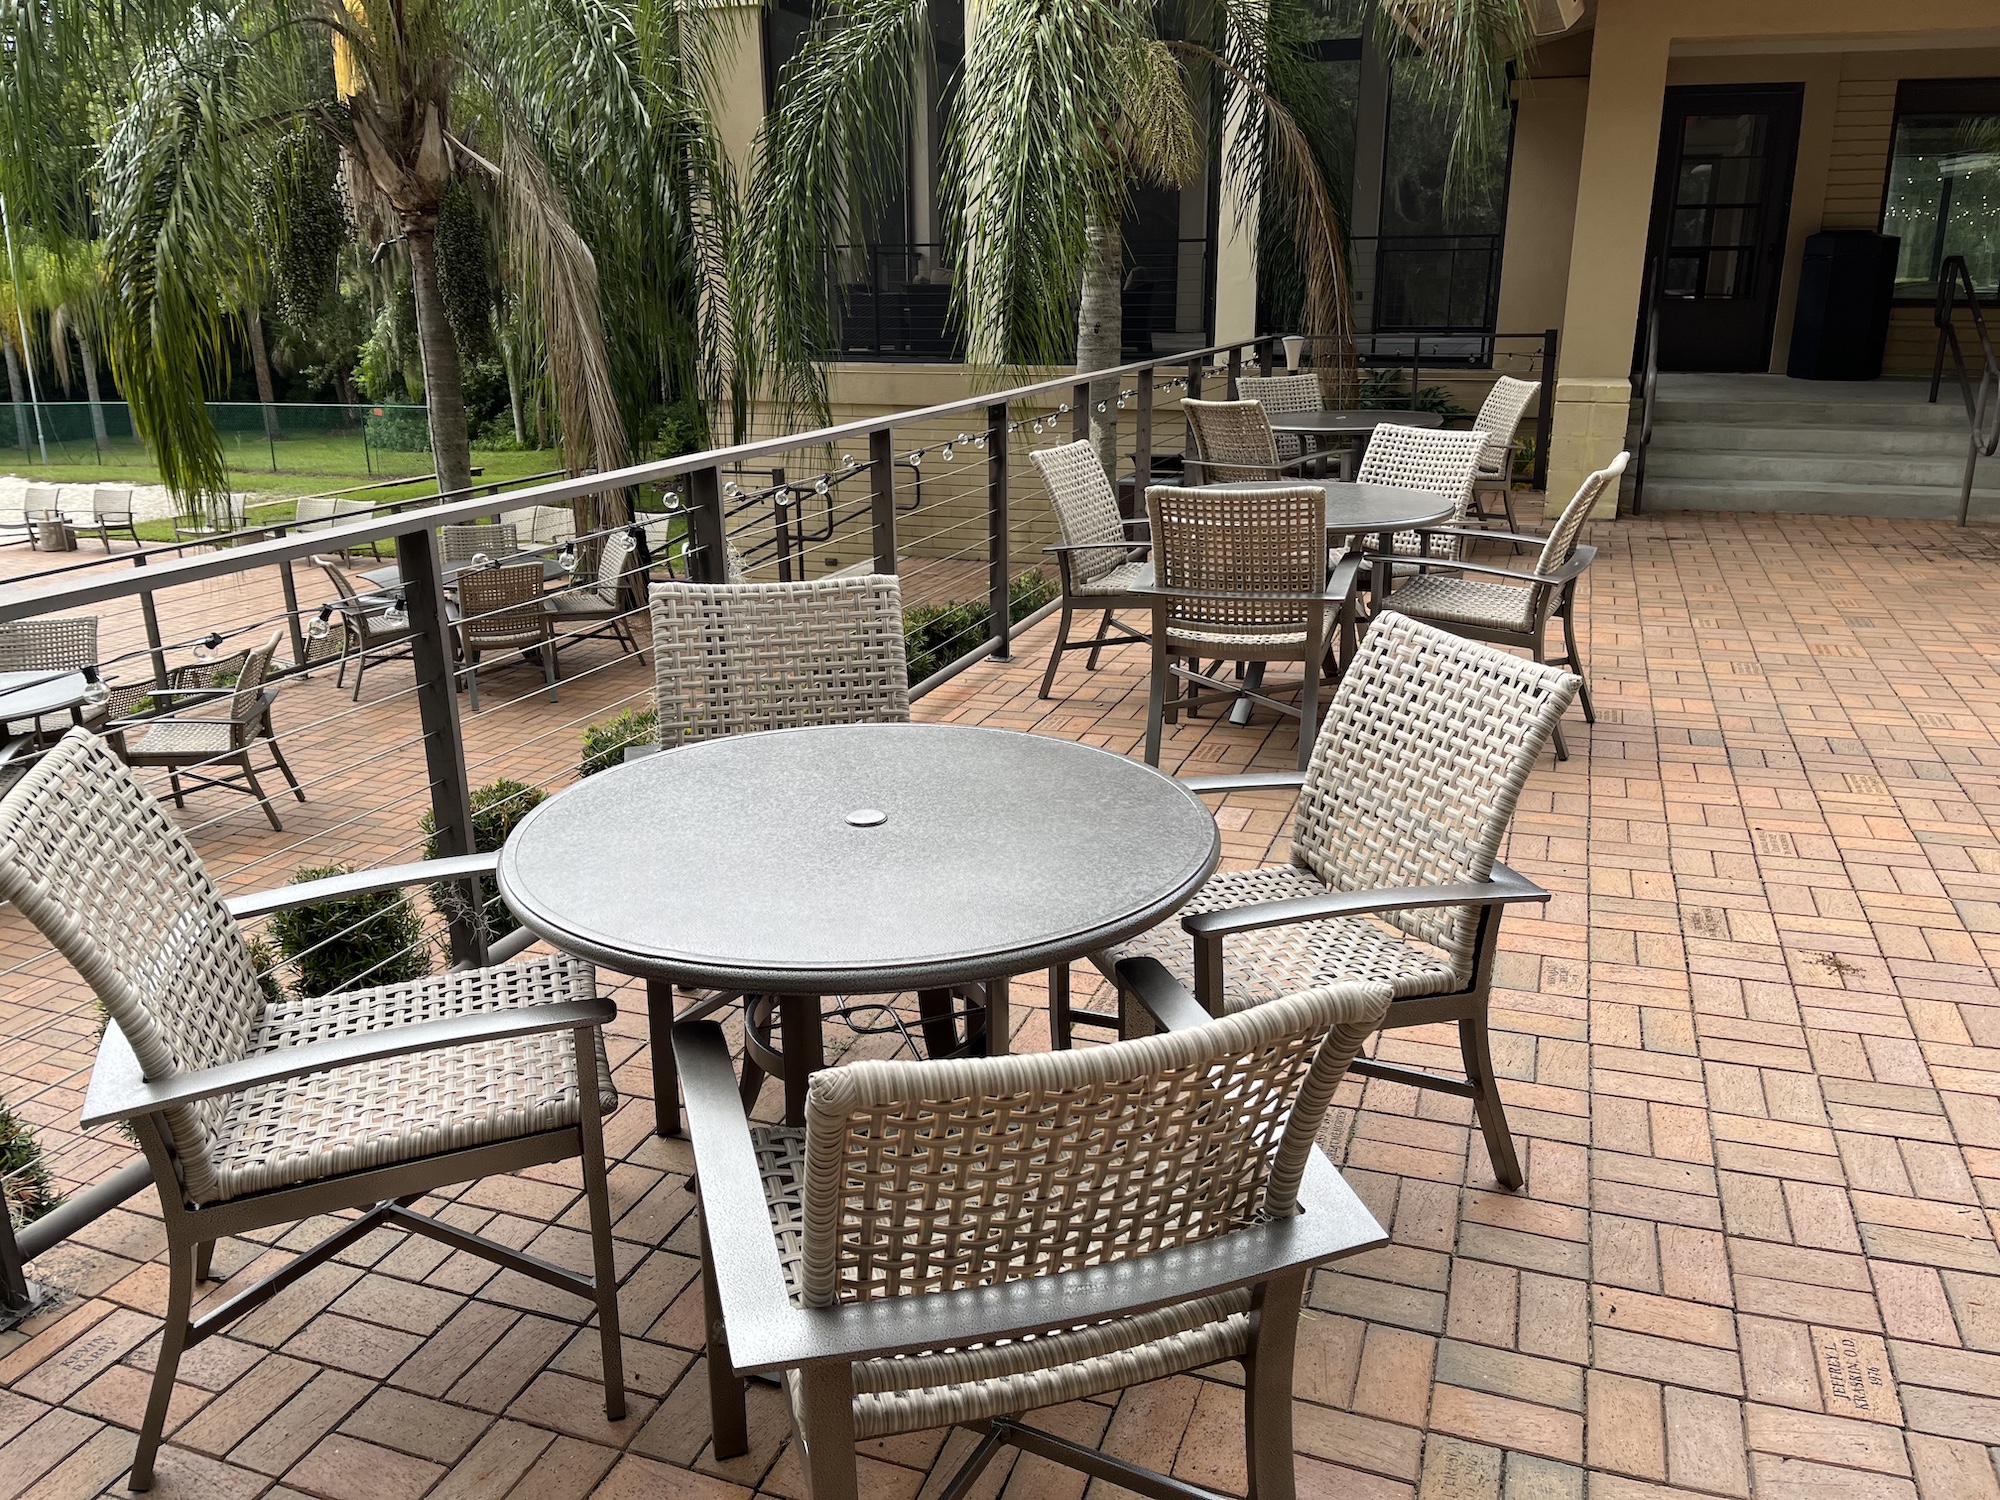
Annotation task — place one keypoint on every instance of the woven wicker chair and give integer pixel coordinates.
(1094, 575)
(742, 658)
(1232, 442)
(1283, 393)
(111, 510)
(256, 1113)
(606, 604)
(502, 609)
(1149, 1207)
(1411, 789)
(496, 540)
(200, 749)
(51, 643)
(1500, 418)
(1437, 463)
(1517, 613)
(1242, 577)
(373, 626)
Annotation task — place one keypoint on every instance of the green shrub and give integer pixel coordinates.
(24, 1173)
(496, 808)
(356, 942)
(1385, 388)
(605, 744)
(399, 431)
(936, 635)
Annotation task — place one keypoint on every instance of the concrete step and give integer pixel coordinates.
(1894, 471)
(1928, 503)
(1904, 415)
(1924, 442)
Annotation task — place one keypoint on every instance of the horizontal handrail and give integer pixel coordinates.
(1982, 411)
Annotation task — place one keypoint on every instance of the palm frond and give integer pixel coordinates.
(1461, 48)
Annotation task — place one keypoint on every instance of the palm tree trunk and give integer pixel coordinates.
(1100, 334)
(14, 390)
(98, 431)
(260, 358)
(513, 386)
(444, 384)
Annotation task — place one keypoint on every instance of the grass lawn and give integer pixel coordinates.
(307, 465)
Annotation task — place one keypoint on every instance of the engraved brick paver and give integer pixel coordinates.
(1751, 1051)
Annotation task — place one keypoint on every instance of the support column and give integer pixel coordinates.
(1614, 196)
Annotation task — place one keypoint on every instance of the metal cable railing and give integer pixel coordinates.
(1982, 406)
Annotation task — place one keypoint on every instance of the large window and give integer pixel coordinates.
(1943, 194)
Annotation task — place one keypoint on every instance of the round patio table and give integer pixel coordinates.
(34, 695)
(1319, 426)
(867, 859)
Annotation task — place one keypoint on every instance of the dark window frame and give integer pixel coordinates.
(1930, 96)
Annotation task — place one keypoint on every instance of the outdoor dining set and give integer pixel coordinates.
(970, 1235)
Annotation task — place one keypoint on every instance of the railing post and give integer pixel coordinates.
(882, 484)
(291, 588)
(1142, 440)
(155, 646)
(1079, 412)
(18, 1297)
(996, 518)
(437, 710)
(708, 554)
(1193, 393)
(1235, 370)
(1545, 417)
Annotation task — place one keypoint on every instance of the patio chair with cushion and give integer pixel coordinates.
(742, 658)
(1500, 418)
(964, 1242)
(53, 644)
(494, 540)
(1517, 613)
(1434, 462)
(111, 510)
(374, 627)
(1101, 564)
(256, 1113)
(1283, 393)
(606, 604)
(202, 749)
(1231, 442)
(1393, 875)
(502, 609)
(1242, 577)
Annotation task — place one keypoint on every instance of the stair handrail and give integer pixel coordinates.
(1982, 411)
(1649, 381)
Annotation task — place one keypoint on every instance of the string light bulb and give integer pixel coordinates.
(320, 627)
(204, 649)
(947, 451)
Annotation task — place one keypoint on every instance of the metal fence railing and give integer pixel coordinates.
(361, 439)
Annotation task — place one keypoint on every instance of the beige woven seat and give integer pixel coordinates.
(496, 541)
(199, 751)
(1517, 613)
(1081, 1181)
(501, 609)
(1099, 560)
(256, 1114)
(1500, 418)
(743, 658)
(606, 604)
(53, 644)
(1242, 577)
(1393, 874)
(1231, 442)
(373, 627)
(1283, 393)
(1434, 462)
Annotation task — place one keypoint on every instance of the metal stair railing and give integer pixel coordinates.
(1982, 408)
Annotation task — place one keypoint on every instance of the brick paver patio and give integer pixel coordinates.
(1752, 1048)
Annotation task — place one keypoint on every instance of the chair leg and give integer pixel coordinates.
(1056, 651)
(1473, 1045)
(604, 1266)
(935, 1019)
(1574, 660)
(257, 791)
(728, 1417)
(827, 1429)
(1542, 655)
(549, 667)
(1157, 693)
(1097, 643)
(1267, 1387)
(472, 678)
(1060, 1026)
(666, 1076)
(174, 781)
(1309, 699)
(799, 1019)
(173, 1339)
(204, 1260)
(360, 670)
(283, 765)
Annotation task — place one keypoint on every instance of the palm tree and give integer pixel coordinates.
(12, 309)
(1063, 106)
(210, 96)
(75, 291)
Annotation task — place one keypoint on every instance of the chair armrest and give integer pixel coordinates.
(1322, 596)
(118, 1091)
(1166, 999)
(768, 1333)
(360, 883)
(1250, 781)
(1280, 465)
(1505, 887)
(1564, 574)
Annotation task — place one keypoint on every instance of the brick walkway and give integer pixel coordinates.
(1752, 1049)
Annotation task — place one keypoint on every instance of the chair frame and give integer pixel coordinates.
(1502, 484)
(104, 521)
(1111, 631)
(119, 1092)
(472, 623)
(1249, 471)
(614, 617)
(754, 1327)
(358, 637)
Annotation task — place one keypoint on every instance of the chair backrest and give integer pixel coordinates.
(547, 523)
(926, 1177)
(1282, 393)
(1236, 433)
(60, 643)
(342, 584)
(1086, 507)
(98, 866)
(1568, 530)
(736, 658)
(315, 513)
(111, 503)
(614, 560)
(1209, 542)
(1424, 458)
(1499, 417)
(502, 606)
(38, 500)
(460, 544)
(1419, 764)
(246, 704)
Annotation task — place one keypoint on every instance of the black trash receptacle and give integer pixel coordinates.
(1842, 321)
